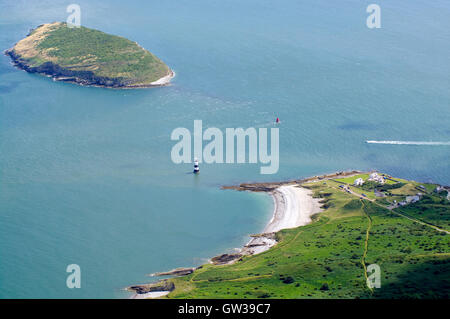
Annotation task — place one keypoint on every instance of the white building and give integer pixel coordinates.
(376, 178)
(412, 199)
(358, 182)
(439, 189)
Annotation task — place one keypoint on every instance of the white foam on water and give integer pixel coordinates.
(408, 143)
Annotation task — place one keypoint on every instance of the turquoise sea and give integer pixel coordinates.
(85, 173)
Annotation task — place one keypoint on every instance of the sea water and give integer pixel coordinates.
(85, 173)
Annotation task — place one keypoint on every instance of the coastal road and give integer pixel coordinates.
(394, 212)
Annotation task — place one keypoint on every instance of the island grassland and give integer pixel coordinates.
(329, 257)
(87, 56)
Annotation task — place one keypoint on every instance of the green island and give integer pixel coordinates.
(402, 226)
(88, 57)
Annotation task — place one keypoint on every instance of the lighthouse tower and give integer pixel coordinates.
(196, 168)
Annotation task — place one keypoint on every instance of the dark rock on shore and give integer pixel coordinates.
(176, 272)
(163, 285)
(225, 259)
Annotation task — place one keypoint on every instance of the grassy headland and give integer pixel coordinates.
(329, 257)
(88, 57)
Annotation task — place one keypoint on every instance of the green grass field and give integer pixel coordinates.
(327, 258)
(350, 180)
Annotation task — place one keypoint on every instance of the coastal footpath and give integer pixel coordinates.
(88, 57)
(325, 232)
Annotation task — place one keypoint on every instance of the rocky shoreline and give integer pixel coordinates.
(271, 186)
(160, 286)
(83, 78)
(175, 272)
(259, 242)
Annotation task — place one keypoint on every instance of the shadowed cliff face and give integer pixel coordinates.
(63, 74)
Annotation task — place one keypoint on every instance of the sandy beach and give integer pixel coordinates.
(150, 295)
(165, 80)
(293, 207)
(295, 210)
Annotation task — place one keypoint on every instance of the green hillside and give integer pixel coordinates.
(87, 56)
(328, 258)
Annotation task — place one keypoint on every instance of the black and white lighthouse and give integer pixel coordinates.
(196, 168)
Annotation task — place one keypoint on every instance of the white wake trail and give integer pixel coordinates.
(408, 143)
